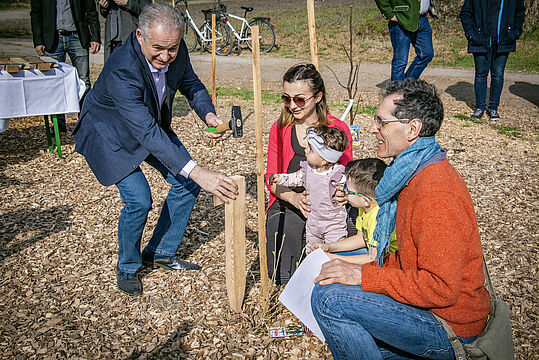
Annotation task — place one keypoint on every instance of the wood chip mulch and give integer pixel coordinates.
(58, 246)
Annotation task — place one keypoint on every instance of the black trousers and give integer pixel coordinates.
(285, 239)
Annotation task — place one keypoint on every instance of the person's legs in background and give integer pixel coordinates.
(482, 66)
(80, 59)
(497, 68)
(400, 40)
(59, 54)
(422, 42)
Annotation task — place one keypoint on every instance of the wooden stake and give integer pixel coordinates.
(312, 32)
(213, 96)
(260, 188)
(236, 271)
(213, 99)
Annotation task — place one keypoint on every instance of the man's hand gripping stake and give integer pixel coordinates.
(236, 124)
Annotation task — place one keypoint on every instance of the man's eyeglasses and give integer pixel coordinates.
(346, 190)
(298, 100)
(379, 122)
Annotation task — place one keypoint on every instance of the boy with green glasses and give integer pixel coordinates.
(362, 177)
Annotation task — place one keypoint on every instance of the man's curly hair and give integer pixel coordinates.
(419, 101)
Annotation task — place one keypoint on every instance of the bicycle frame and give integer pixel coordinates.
(244, 27)
(191, 21)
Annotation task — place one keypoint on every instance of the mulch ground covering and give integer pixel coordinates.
(58, 294)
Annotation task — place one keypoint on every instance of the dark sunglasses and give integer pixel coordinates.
(299, 101)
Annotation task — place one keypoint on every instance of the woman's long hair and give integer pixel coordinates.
(311, 76)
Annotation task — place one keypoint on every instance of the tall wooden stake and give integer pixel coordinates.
(260, 186)
(236, 271)
(312, 32)
(213, 99)
(213, 86)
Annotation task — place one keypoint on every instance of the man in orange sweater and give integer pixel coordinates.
(383, 310)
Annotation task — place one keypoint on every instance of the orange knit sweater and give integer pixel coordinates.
(438, 265)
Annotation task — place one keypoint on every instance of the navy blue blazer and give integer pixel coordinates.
(121, 123)
(474, 16)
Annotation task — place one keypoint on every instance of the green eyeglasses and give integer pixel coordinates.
(346, 190)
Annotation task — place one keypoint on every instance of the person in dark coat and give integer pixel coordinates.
(492, 28)
(61, 27)
(122, 19)
(126, 120)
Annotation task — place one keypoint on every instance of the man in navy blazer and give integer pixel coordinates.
(125, 120)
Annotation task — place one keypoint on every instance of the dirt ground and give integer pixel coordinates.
(58, 294)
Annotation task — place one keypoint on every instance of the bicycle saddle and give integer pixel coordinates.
(247, 8)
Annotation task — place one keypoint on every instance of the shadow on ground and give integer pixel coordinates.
(34, 140)
(527, 91)
(36, 223)
(463, 91)
(171, 349)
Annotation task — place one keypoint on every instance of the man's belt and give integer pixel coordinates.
(66, 32)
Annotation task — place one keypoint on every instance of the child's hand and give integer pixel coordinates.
(340, 196)
(273, 178)
(324, 247)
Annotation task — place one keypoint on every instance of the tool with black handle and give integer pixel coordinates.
(236, 124)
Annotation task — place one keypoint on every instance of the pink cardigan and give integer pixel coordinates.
(280, 151)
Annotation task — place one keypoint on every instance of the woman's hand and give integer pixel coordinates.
(339, 271)
(298, 200)
(340, 196)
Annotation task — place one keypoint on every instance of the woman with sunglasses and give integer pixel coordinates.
(304, 99)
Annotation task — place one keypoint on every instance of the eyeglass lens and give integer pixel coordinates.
(299, 101)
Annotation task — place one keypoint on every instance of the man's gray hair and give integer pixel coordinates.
(160, 15)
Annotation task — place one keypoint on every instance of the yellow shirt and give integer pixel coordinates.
(366, 222)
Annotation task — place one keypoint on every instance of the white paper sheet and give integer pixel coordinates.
(296, 296)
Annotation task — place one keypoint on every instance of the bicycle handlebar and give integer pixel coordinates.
(176, 2)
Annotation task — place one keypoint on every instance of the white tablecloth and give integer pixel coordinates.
(33, 92)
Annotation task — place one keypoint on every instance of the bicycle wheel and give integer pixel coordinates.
(190, 37)
(223, 38)
(266, 35)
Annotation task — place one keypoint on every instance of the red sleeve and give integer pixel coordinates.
(440, 231)
(347, 156)
(275, 153)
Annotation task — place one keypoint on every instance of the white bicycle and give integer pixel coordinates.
(194, 36)
(266, 30)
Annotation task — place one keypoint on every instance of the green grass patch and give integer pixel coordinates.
(468, 118)
(243, 94)
(367, 109)
(511, 131)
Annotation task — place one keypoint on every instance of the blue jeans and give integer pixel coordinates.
(137, 199)
(494, 62)
(359, 324)
(401, 39)
(79, 58)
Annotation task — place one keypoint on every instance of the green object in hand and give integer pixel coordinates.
(211, 130)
